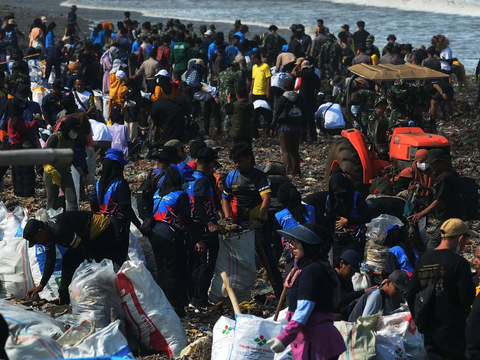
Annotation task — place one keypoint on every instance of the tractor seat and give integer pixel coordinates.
(380, 138)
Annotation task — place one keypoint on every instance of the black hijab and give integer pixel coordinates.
(171, 182)
(14, 111)
(340, 204)
(164, 83)
(291, 199)
(69, 124)
(398, 237)
(112, 171)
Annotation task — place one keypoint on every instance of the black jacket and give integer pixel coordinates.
(290, 109)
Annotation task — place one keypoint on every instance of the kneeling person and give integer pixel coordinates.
(85, 235)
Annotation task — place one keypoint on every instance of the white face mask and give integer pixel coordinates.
(422, 166)
(331, 83)
(72, 135)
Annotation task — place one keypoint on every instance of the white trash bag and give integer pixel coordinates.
(21, 317)
(251, 336)
(11, 222)
(402, 324)
(15, 274)
(236, 257)
(31, 345)
(149, 316)
(94, 292)
(377, 227)
(108, 341)
(222, 341)
(390, 347)
(361, 282)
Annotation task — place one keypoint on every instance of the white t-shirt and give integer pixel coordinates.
(447, 55)
(261, 103)
(332, 115)
(100, 131)
(83, 96)
(277, 79)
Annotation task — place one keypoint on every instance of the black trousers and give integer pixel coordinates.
(257, 113)
(4, 334)
(23, 178)
(106, 246)
(204, 268)
(262, 235)
(212, 108)
(56, 66)
(171, 260)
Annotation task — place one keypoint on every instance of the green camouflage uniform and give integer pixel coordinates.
(406, 101)
(366, 100)
(228, 79)
(330, 57)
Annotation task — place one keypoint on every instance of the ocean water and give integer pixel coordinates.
(412, 21)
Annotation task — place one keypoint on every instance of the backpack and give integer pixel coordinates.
(145, 195)
(424, 308)
(163, 55)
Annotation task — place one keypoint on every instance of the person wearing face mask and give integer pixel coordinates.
(346, 213)
(58, 176)
(418, 173)
(448, 195)
(443, 267)
(312, 298)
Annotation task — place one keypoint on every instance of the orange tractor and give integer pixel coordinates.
(392, 149)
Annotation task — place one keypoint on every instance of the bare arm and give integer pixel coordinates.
(227, 208)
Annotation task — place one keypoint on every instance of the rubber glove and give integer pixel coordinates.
(276, 345)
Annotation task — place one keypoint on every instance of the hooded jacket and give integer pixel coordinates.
(289, 110)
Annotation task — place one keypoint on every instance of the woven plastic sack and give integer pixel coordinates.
(402, 324)
(94, 293)
(21, 317)
(359, 337)
(31, 345)
(10, 222)
(15, 274)
(149, 316)
(377, 227)
(390, 347)
(251, 336)
(106, 342)
(222, 341)
(236, 257)
(77, 333)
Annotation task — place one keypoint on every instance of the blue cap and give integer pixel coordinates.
(301, 233)
(411, 123)
(185, 171)
(351, 257)
(116, 155)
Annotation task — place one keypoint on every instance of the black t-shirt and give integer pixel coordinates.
(310, 82)
(448, 189)
(472, 334)
(313, 284)
(165, 111)
(455, 292)
(295, 48)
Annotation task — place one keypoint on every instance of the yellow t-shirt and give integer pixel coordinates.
(260, 74)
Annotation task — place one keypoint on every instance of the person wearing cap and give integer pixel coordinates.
(346, 266)
(329, 117)
(180, 148)
(246, 198)
(385, 59)
(397, 56)
(23, 176)
(289, 119)
(311, 300)
(58, 175)
(361, 57)
(112, 195)
(193, 148)
(449, 273)
(447, 199)
(205, 228)
(179, 56)
(365, 99)
(165, 88)
(243, 29)
(85, 236)
(374, 300)
(330, 57)
(236, 28)
(391, 39)
(431, 61)
(172, 212)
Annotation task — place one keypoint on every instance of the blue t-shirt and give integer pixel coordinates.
(201, 187)
(241, 35)
(170, 213)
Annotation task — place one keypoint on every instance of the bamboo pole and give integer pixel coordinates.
(30, 157)
(231, 294)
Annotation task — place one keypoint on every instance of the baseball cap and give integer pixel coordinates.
(209, 32)
(456, 227)
(306, 64)
(303, 233)
(391, 37)
(346, 27)
(162, 72)
(207, 154)
(120, 74)
(177, 144)
(400, 279)
(116, 155)
(167, 153)
(351, 257)
(30, 231)
(434, 155)
(23, 91)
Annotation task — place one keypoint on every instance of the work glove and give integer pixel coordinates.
(276, 345)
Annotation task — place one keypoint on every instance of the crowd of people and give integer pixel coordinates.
(159, 81)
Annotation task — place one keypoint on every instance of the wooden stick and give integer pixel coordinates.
(282, 297)
(231, 294)
(25, 57)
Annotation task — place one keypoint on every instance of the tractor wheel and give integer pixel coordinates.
(343, 154)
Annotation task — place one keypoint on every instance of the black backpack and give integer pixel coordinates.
(424, 308)
(145, 195)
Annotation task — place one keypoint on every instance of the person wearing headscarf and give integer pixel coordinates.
(347, 213)
(118, 91)
(418, 173)
(171, 212)
(293, 213)
(23, 176)
(314, 294)
(165, 88)
(58, 175)
(36, 35)
(50, 37)
(401, 255)
(112, 194)
(106, 61)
